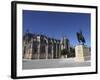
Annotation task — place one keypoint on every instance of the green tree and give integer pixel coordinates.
(64, 52)
(72, 52)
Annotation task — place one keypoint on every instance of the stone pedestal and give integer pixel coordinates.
(82, 53)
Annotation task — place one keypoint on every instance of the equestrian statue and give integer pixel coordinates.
(80, 37)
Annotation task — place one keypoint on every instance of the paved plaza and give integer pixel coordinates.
(53, 63)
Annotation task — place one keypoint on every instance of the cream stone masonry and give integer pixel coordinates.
(37, 46)
(82, 53)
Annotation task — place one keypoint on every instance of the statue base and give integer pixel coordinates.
(82, 53)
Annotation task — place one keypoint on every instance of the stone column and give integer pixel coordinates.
(29, 50)
(68, 46)
(38, 39)
(59, 51)
(26, 55)
(30, 54)
(39, 50)
(46, 50)
(52, 51)
(23, 50)
(56, 50)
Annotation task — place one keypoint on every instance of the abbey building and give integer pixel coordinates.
(36, 46)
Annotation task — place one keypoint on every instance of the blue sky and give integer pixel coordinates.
(58, 24)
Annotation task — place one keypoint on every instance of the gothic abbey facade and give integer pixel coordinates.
(37, 46)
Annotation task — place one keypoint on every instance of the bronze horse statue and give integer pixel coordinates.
(80, 37)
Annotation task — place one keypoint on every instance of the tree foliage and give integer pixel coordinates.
(72, 52)
(64, 52)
